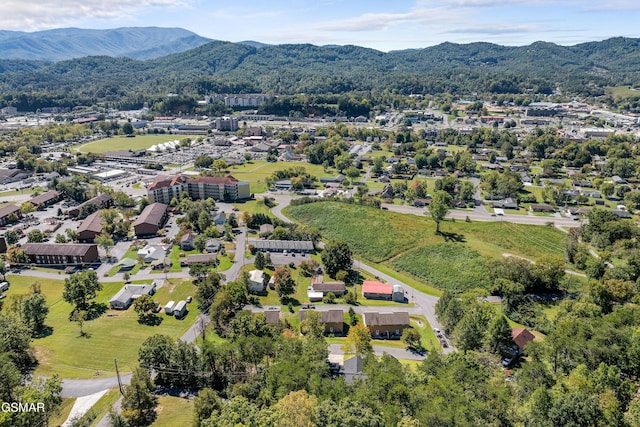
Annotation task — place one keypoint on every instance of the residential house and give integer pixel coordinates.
(125, 297)
(219, 218)
(213, 245)
(333, 320)
(386, 325)
(61, 254)
(206, 259)
(256, 281)
(542, 208)
(352, 369)
(387, 192)
(187, 241)
(521, 337)
(266, 228)
(272, 316)
(508, 203)
(319, 285)
(151, 220)
(151, 253)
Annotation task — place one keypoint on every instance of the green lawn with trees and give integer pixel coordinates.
(115, 334)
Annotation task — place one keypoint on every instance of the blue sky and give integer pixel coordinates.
(383, 25)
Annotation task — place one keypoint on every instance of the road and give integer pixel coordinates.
(78, 388)
(378, 350)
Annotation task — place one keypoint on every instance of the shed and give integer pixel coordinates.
(168, 308)
(180, 310)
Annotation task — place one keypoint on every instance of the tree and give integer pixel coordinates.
(15, 341)
(336, 256)
(71, 234)
(352, 173)
(498, 334)
(259, 262)
(61, 238)
(79, 316)
(439, 207)
(207, 290)
(285, 285)
(342, 162)
(127, 128)
(347, 412)
(105, 242)
(200, 242)
(17, 256)
(33, 311)
(204, 404)
(12, 237)
(27, 208)
(144, 305)
(36, 236)
(138, 401)
(3, 269)
(358, 340)
(296, 409)
(81, 288)
(412, 339)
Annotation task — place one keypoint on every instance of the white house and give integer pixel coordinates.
(152, 253)
(256, 281)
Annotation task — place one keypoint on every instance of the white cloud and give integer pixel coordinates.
(383, 21)
(42, 14)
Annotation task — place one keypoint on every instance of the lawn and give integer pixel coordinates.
(173, 411)
(124, 143)
(253, 206)
(103, 406)
(408, 243)
(63, 411)
(257, 172)
(116, 334)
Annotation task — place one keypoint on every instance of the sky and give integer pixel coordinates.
(382, 25)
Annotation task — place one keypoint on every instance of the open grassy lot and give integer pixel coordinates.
(116, 334)
(256, 172)
(124, 143)
(103, 406)
(173, 411)
(408, 243)
(63, 412)
(253, 206)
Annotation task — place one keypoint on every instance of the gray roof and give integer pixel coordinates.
(280, 245)
(64, 249)
(129, 292)
(386, 319)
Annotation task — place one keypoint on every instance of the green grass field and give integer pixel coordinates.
(257, 172)
(409, 243)
(116, 334)
(123, 143)
(173, 411)
(253, 206)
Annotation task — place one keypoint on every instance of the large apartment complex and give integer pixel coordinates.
(166, 188)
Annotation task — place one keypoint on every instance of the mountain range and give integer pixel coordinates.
(68, 43)
(130, 61)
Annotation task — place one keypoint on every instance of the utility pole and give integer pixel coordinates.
(118, 375)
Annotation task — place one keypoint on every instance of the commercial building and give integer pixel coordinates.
(166, 188)
(61, 254)
(151, 220)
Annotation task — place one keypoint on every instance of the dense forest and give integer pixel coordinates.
(223, 67)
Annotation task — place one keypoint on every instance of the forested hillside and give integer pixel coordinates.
(539, 68)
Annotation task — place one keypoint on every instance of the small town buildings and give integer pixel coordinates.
(152, 253)
(542, 208)
(303, 246)
(386, 325)
(125, 297)
(352, 369)
(168, 308)
(61, 254)
(256, 281)
(372, 289)
(219, 218)
(180, 310)
(521, 337)
(333, 320)
(45, 199)
(187, 241)
(228, 188)
(213, 245)
(151, 220)
(266, 229)
(319, 285)
(508, 203)
(206, 259)
(90, 228)
(9, 214)
(101, 201)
